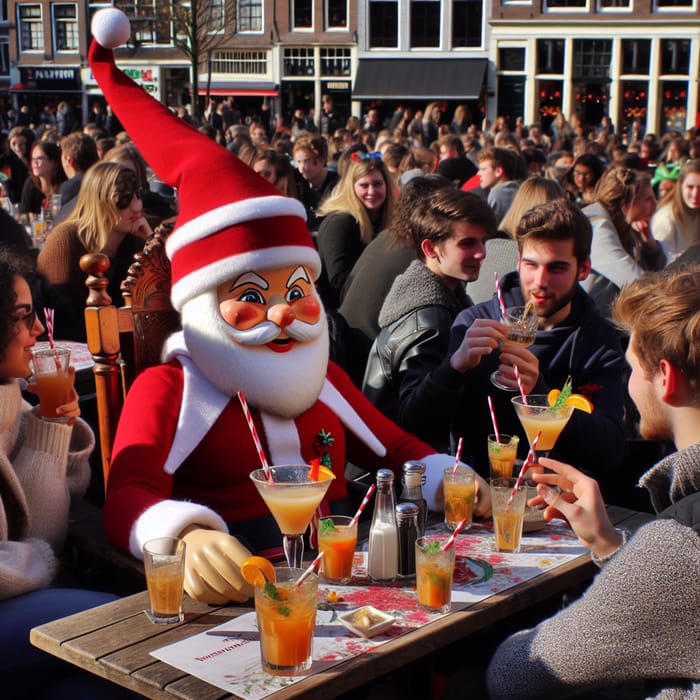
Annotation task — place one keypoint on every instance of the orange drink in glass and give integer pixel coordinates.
(502, 454)
(434, 572)
(458, 489)
(337, 538)
(508, 510)
(164, 564)
(54, 383)
(286, 616)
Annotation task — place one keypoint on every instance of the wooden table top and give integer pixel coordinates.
(115, 640)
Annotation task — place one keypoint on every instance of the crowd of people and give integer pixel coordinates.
(364, 242)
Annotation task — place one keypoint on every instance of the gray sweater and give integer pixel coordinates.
(42, 465)
(639, 620)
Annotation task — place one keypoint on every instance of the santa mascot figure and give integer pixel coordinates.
(243, 272)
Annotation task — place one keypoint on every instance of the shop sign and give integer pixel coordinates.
(50, 78)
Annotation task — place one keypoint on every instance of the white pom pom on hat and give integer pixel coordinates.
(110, 27)
(230, 219)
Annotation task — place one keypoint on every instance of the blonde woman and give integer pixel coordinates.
(108, 218)
(431, 122)
(676, 223)
(359, 207)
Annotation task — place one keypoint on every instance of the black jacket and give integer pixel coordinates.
(416, 319)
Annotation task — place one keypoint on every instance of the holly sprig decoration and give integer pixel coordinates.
(563, 395)
(323, 442)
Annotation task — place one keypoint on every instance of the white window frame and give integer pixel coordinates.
(37, 27)
(313, 19)
(441, 15)
(335, 28)
(690, 7)
(565, 10)
(628, 9)
(250, 17)
(56, 21)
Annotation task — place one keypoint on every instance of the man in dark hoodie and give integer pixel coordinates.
(573, 340)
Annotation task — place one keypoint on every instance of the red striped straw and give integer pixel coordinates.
(48, 315)
(454, 534)
(365, 501)
(493, 418)
(458, 455)
(310, 569)
(519, 480)
(254, 433)
(520, 383)
(499, 294)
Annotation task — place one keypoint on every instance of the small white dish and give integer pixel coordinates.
(367, 621)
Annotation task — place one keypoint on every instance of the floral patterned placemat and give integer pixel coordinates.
(228, 656)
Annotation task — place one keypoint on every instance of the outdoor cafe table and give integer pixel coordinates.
(116, 640)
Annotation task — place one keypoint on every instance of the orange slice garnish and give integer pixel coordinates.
(258, 571)
(576, 400)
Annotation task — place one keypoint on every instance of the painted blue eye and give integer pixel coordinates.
(252, 296)
(295, 293)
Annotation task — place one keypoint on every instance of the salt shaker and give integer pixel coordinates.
(407, 524)
(383, 554)
(412, 492)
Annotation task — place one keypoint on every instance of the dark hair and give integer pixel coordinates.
(82, 148)
(558, 220)
(434, 215)
(9, 269)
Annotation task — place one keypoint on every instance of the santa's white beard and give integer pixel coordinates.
(284, 384)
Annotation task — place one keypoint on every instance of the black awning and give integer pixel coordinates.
(418, 78)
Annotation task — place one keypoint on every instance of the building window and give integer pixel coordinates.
(614, 4)
(511, 58)
(240, 62)
(550, 56)
(425, 24)
(65, 18)
(335, 62)
(336, 14)
(635, 96)
(592, 59)
(675, 56)
(550, 97)
(467, 23)
(145, 27)
(217, 18)
(302, 14)
(674, 4)
(250, 15)
(511, 96)
(383, 24)
(566, 4)
(4, 56)
(31, 28)
(635, 56)
(299, 62)
(674, 105)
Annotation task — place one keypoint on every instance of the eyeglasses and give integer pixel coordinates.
(583, 173)
(29, 319)
(38, 159)
(124, 200)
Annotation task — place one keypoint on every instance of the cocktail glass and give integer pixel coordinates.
(521, 323)
(537, 416)
(292, 499)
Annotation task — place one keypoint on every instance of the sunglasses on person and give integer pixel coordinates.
(124, 199)
(29, 319)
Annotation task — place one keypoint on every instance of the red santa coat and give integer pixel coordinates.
(150, 493)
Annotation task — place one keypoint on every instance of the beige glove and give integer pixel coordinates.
(213, 567)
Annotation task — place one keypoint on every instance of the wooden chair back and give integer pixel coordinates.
(125, 340)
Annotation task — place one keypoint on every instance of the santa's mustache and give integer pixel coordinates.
(267, 331)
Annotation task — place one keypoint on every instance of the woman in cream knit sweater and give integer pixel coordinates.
(43, 464)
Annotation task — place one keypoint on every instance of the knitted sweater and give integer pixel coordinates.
(637, 624)
(42, 465)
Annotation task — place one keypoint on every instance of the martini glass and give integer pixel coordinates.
(521, 324)
(537, 416)
(292, 499)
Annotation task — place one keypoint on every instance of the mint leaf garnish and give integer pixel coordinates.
(271, 591)
(284, 611)
(432, 547)
(563, 396)
(326, 525)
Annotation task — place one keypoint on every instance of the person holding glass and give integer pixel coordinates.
(43, 467)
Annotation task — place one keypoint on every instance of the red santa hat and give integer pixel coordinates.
(230, 219)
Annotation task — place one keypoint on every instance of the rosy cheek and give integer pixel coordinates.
(307, 309)
(240, 314)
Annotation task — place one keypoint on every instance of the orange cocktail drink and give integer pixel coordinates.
(537, 415)
(508, 510)
(54, 382)
(434, 572)
(286, 616)
(458, 489)
(337, 538)
(164, 565)
(502, 454)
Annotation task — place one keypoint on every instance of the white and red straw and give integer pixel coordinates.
(254, 434)
(48, 315)
(519, 379)
(309, 570)
(499, 294)
(453, 536)
(493, 418)
(365, 501)
(458, 455)
(523, 469)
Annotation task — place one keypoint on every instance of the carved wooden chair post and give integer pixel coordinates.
(123, 341)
